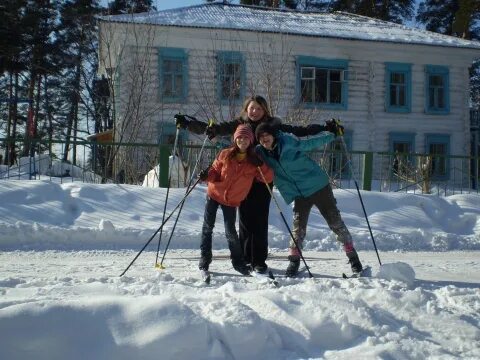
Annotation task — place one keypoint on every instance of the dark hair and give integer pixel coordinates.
(265, 127)
(260, 100)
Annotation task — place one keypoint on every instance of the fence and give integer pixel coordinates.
(149, 164)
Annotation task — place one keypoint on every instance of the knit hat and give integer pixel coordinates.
(244, 130)
(265, 127)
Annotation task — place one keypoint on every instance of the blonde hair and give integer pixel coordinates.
(260, 100)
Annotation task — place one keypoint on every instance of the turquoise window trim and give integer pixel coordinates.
(402, 137)
(175, 54)
(440, 139)
(405, 138)
(337, 64)
(230, 57)
(406, 70)
(444, 72)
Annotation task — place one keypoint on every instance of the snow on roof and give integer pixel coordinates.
(251, 18)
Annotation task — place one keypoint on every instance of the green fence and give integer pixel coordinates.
(148, 165)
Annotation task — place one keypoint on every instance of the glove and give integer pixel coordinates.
(181, 121)
(203, 175)
(334, 126)
(210, 130)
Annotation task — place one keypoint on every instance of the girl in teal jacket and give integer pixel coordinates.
(303, 181)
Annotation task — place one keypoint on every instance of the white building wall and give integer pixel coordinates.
(365, 117)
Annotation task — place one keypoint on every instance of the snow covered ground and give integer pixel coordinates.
(63, 247)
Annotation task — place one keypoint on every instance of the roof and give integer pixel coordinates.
(331, 25)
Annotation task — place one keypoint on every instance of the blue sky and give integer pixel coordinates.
(169, 4)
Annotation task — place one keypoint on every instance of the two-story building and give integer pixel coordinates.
(395, 88)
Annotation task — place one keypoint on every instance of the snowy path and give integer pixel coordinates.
(47, 295)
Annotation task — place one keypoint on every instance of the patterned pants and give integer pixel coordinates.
(327, 204)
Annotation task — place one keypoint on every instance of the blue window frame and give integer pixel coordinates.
(401, 145)
(438, 146)
(398, 87)
(322, 82)
(437, 97)
(173, 72)
(230, 76)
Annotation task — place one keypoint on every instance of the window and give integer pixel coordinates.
(438, 146)
(231, 76)
(322, 82)
(437, 90)
(173, 74)
(398, 84)
(401, 145)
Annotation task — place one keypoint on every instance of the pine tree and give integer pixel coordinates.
(39, 26)
(130, 6)
(78, 39)
(389, 10)
(12, 64)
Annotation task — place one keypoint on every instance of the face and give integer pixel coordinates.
(243, 143)
(266, 140)
(254, 111)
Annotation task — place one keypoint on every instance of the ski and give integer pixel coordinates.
(266, 277)
(206, 276)
(366, 272)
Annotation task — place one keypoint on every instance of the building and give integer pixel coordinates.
(396, 89)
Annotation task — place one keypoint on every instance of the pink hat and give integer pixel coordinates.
(244, 130)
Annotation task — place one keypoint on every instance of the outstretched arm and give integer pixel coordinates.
(300, 131)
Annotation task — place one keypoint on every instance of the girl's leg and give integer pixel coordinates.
(301, 212)
(211, 207)
(236, 251)
(254, 225)
(327, 204)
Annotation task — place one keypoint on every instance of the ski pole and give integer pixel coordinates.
(168, 192)
(285, 221)
(160, 266)
(349, 160)
(161, 226)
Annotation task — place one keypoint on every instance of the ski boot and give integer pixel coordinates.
(292, 268)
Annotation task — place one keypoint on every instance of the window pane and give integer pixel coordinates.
(436, 80)
(438, 163)
(307, 72)
(441, 97)
(307, 91)
(320, 86)
(401, 96)
(393, 95)
(335, 75)
(167, 85)
(231, 82)
(431, 97)
(172, 78)
(397, 78)
(336, 93)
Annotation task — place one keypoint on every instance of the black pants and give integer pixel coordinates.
(229, 216)
(253, 218)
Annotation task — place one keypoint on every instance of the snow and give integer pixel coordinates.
(251, 18)
(64, 245)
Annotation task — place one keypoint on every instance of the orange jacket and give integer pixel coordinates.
(230, 180)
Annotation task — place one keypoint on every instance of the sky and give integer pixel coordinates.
(64, 244)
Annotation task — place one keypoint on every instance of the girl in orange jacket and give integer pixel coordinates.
(229, 180)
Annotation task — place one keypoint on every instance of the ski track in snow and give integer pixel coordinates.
(50, 294)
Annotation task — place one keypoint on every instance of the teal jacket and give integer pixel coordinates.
(296, 174)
